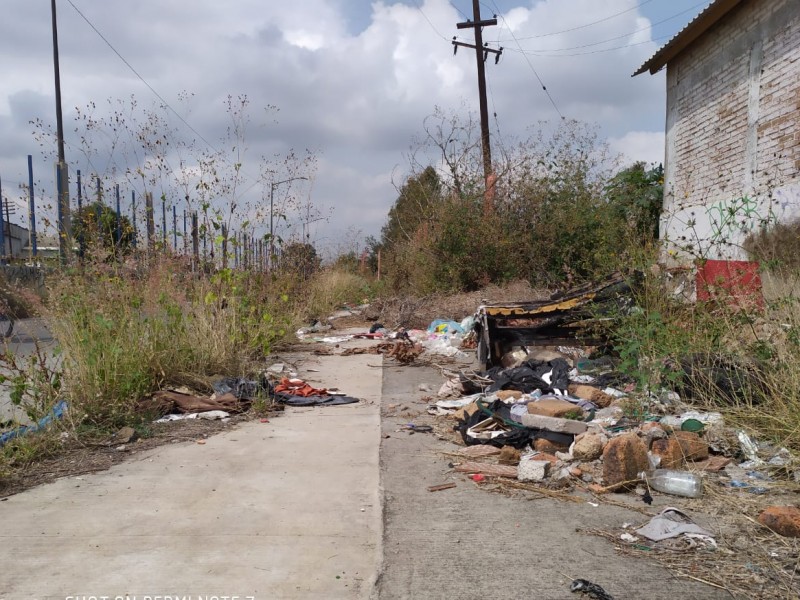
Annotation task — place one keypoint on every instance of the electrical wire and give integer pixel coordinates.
(603, 20)
(625, 35)
(463, 14)
(419, 8)
(615, 48)
(142, 79)
(530, 64)
(155, 93)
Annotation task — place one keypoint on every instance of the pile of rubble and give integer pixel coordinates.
(562, 422)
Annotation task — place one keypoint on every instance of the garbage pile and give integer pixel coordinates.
(563, 422)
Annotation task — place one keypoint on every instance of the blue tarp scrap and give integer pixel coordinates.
(57, 412)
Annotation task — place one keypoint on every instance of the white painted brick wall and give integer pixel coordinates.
(711, 129)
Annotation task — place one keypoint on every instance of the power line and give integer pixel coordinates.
(419, 8)
(603, 20)
(615, 48)
(142, 79)
(463, 14)
(530, 64)
(157, 95)
(649, 27)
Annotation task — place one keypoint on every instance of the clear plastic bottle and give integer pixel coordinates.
(670, 481)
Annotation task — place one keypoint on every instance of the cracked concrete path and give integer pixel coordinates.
(285, 509)
(466, 542)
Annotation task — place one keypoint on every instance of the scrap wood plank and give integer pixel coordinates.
(487, 469)
(440, 487)
(479, 451)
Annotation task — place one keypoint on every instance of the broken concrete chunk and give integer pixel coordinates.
(624, 457)
(553, 407)
(554, 424)
(589, 446)
(592, 394)
(783, 520)
(533, 470)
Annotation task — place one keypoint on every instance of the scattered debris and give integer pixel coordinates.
(783, 520)
(670, 523)
(56, 413)
(587, 588)
(441, 487)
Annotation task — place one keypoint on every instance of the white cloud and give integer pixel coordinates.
(356, 94)
(647, 146)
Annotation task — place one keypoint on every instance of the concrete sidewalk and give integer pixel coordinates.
(285, 509)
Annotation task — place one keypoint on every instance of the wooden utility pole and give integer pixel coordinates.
(62, 174)
(482, 52)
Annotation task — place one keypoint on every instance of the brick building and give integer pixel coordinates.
(732, 161)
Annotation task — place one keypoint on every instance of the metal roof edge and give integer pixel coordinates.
(693, 30)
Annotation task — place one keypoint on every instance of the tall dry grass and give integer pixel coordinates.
(743, 362)
(124, 333)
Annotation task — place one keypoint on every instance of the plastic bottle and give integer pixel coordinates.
(678, 483)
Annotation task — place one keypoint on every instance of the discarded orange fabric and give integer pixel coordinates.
(298, 387)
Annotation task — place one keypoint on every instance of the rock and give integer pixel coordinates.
(553, 407)
(624, 457)
(589, 446)
(506, 394)
(508, 456)
(564, 456)
(783, 520)
(575, 472)
(126, 435)
(592, 394)
(533, 470)
(693, 446)
(652, 431)
(543, 445)
(548, 457)
(553, 424)
(670, 452)
(713, 464)
(562, 475)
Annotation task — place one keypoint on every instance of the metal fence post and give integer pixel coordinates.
(133, 217)
(31, 207)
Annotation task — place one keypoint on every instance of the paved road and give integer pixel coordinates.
(302, 507)
(471, 544)
(285, 509)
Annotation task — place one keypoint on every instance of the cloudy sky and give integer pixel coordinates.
(352, 81)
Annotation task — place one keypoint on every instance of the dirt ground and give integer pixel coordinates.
(71, 457)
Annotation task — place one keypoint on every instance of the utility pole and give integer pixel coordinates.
(62, 178)
(482, 52)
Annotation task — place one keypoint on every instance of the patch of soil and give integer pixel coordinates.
(78, 458)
